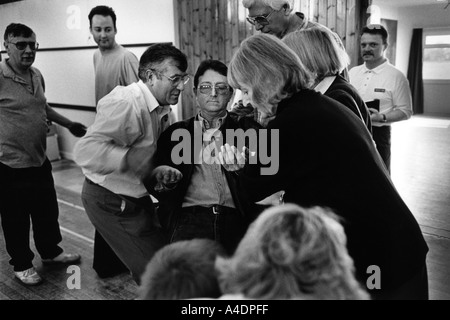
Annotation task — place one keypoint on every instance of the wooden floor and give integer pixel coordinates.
(420, 170)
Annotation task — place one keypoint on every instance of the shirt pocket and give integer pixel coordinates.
(385, 97)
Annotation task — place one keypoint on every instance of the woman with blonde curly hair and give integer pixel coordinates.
(290, 252)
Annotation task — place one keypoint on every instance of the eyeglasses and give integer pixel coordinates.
(175, 80)
(262, 20)
(22, 45)
(221, 89)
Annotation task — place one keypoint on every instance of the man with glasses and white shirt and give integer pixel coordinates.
(117, 152)
(26, 183)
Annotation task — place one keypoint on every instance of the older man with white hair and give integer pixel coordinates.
(278, 18)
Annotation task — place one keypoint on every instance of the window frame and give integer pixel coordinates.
(434, 32)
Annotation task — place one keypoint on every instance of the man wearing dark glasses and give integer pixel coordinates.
(26, 183)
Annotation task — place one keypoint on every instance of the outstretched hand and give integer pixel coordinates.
(77, 129)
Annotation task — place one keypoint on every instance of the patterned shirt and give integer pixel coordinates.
(209, 185)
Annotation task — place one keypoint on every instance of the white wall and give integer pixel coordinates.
(409, 18)
(428, 16)
(69, 74)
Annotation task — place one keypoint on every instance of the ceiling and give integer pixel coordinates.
(409, 3)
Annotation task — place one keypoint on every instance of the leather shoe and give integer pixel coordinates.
(63, 258)
(29, 277)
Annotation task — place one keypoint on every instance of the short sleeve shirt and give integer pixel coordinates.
(23, 119)
(385, 83)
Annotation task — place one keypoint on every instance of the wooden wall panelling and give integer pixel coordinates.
(214, 29)
(350, 31)
(202, 30)
(302, 6)
(323, 12)
(235, 27)
(362, 21)
(184, 18)
(341, 21)
(228, 30)
(196, 36)
(209, 25)
(356, 19)
(222, 18)
(331, 14)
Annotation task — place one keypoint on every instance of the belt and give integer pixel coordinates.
(216, 209)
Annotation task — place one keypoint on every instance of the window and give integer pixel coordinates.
(436, 54)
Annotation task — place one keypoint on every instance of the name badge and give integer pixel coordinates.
(380, 90)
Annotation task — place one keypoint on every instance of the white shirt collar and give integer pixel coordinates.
(323, 85)
(377, 69)
(150, 99)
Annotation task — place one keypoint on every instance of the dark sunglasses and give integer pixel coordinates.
(21, 45)
(262, 20)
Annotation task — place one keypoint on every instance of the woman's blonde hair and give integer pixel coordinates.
(318, 50)
(270, 68)
(290, 252)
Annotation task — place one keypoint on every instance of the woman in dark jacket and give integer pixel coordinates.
(321, 55)
(327, 158)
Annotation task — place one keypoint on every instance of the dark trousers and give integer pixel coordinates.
(225, 225)
(105, 262)
(128, 225)
(26, 194)
(382, 138)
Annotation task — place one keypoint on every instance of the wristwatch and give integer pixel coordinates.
(384, 120)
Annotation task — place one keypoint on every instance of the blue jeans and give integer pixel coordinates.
(128, 225)
(226, 227)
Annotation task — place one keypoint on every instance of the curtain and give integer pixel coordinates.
(415, 77)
